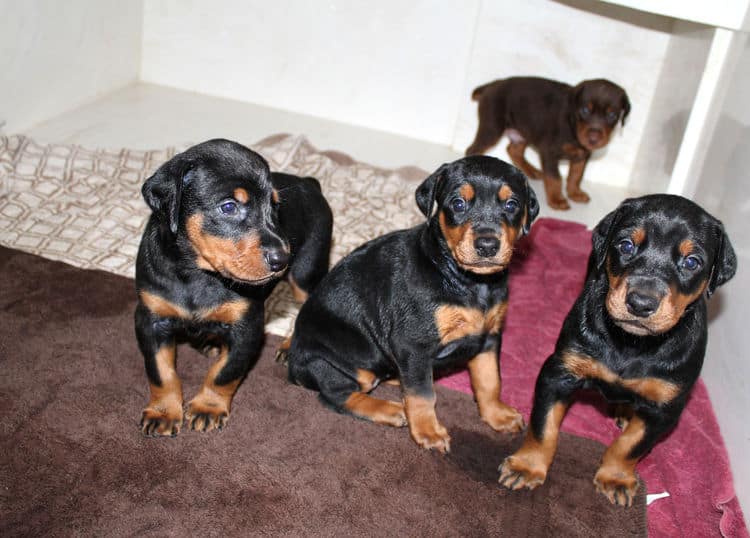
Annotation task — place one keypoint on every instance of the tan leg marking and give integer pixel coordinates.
(553, 192)
(299, 294)
(528, 467)
(211, 406)
(616, 478)
(486, 383)
(379, 411)
(163, 415)
(366, 379)
(516, 152)
(424, 427)
(651, 388)
(573, 183)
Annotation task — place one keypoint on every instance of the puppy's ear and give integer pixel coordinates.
(163, 190)
(426, 193)
(532, 208)
(603, 233)
(625, 106)
(725, 263)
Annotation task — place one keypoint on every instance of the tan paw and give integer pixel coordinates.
(579, 196)
(204, 416)
(558, 203)
(618, 485)
(522, 471)
(436, 438)
(158, 420)
(503, 418)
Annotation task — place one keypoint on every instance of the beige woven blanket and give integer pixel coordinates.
(84, 207)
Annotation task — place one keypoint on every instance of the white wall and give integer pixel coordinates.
(57, 55)
(390, 65)
(724, 188)
(405, 67)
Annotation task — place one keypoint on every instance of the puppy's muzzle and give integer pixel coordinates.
(644, 296)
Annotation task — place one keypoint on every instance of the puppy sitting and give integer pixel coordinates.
(431, 296)
(637, 334)
(223, 231)
(560, 121)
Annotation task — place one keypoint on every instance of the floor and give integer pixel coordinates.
(145, 116)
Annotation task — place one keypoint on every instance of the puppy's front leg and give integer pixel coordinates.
(573, 183)
(553, 182)
(419, 406)
(486, 383)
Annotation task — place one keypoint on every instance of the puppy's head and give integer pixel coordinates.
(660, 254)
(483, 206)
(596, 106)
(216, 200)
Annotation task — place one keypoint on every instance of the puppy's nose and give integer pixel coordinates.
(595, 136)
(641, 305)
(486, 246)
(277, 259)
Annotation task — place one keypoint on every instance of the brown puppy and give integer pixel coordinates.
(560, 121)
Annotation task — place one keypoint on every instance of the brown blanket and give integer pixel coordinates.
(74, 462)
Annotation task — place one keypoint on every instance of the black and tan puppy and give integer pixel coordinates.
(558, 120)
(431, 296)
(637, 334)
(224, 230)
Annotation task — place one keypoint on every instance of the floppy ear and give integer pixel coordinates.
(602, 235)
(163, 191)
(427, 191)
(532, 208)
(725, 263)
(625, 105)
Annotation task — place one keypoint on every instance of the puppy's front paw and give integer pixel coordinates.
(522, 471)
(579, 196)
(559, 203)
(503, 418)
(161, 420)
(206, 415)
(618, 485)
(432, 438)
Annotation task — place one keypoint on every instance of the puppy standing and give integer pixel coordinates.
(223, 231)
(413, 300)
(637, 333)
(560, 121)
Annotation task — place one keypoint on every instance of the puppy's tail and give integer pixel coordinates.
(477, 93)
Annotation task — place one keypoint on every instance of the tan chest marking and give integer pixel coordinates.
(651, 388)
(454, 322)
(229, 312)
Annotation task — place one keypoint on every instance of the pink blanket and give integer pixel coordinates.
(691, 463)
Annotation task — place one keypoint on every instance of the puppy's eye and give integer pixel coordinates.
(626, 247)
(612, 116)
(691, 263)
(458, 205)
(511, 205)
(584, 112)
(228, 208)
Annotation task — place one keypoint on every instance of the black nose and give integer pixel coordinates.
(641, 305)
(486, 246)
(277, 259)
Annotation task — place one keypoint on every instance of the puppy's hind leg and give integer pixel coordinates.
(348, 394)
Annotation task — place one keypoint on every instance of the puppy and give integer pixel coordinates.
(224, 230)
(413, 300)
(558, 120)
(637, 334)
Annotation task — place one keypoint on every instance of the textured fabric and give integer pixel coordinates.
(74, 461)
(691, 464)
